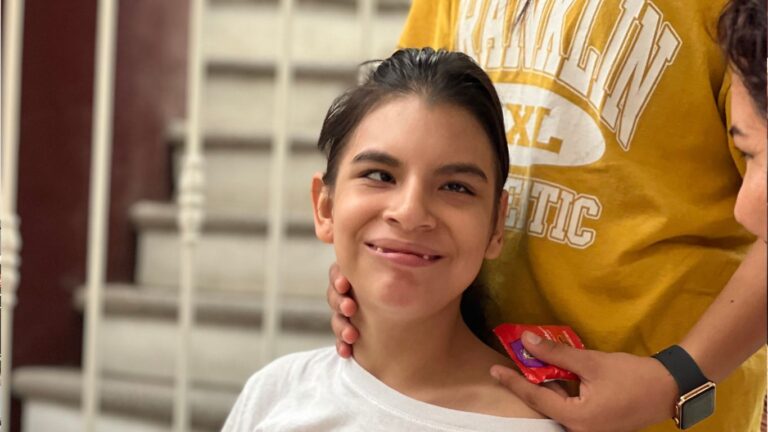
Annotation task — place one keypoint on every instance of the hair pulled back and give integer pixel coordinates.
(437, 76)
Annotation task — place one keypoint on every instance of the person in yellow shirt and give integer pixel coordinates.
(623, 179)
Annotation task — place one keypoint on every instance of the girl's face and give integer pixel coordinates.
(411, 214)
(749, 135)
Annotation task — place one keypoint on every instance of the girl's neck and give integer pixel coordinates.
(436, 360)
(415, 356)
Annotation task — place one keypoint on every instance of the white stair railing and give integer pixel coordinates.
(276, 225)
(10, 241)
(191, 201)
(101, 150)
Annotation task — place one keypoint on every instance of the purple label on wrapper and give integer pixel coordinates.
(524, 356)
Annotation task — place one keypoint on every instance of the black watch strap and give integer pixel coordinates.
(683, 368)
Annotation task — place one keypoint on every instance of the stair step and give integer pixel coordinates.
(321, 29)
(243, 103)
(139, 334)
(299, 141)
(231, 255)
(163, 216)
(126, 404)
(211, 307)
(258, 67)
(238, 169)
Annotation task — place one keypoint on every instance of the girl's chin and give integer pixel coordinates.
(401, 302)
(392, 296)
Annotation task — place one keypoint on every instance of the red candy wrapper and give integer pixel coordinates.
(532, 368)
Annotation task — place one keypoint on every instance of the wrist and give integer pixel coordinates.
(694, 351)
(695, 392)
(668, 392)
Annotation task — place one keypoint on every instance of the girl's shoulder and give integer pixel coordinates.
(295, 366)
(275, 383)
(484, 394)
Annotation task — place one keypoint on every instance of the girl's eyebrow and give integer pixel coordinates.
(735, 131)
(389, 160)
(463, 168)
(376, 156)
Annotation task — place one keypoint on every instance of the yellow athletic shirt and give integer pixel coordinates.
(622, 180)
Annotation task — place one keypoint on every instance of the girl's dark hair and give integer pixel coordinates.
(742, 35)
(439, 77)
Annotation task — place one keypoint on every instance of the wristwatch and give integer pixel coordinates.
(697, 393)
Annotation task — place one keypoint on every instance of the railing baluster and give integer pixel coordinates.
(10, 243)
(276, 226)
(366, 9)
(191, 201)
(101, 150)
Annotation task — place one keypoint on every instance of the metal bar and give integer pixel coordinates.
(101, 152)
(10, 241)
(276, 227)
(190, 218)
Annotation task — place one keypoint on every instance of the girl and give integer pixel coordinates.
(412, 200)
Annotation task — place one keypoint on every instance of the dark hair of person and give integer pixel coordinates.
(742, 34)
(440, 77)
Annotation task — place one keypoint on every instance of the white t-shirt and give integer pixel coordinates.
(319, 391)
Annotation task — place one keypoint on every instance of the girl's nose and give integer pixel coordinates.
(410, 209)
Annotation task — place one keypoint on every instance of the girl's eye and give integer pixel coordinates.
(380, 176)
(745, 155)
(457, 187)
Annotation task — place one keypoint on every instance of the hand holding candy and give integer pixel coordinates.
(618, 392)
(533, 368)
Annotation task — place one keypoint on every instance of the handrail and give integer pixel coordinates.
(191, 201)
(101, 149)
(10, 241)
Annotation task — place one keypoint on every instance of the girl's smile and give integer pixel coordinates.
(403, 253)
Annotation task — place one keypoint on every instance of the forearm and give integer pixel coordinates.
(734, 326)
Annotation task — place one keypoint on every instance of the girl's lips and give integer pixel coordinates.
(403, 257)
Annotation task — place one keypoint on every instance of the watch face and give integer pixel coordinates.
(697, 408)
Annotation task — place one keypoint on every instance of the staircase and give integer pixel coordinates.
(137, 343)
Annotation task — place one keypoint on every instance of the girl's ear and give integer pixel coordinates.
(497, 237)
(322, 206)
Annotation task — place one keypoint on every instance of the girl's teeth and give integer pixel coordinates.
(381, 250)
